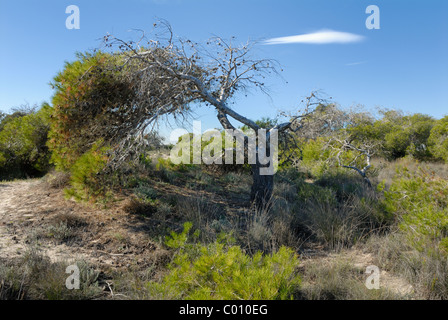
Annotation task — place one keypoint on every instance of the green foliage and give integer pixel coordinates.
(86, 179)
(23, 150)
(220, 271)
(420, 202)
(207, 145)
(438, 139)
(179, 240)
(398, 135)
(315, 156)
(167, 164)
(86, 92)
(6, 118)
(91, 98)
(264, 122)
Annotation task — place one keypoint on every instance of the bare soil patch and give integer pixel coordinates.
(35, 215)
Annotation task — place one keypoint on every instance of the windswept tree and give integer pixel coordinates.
(137, 84)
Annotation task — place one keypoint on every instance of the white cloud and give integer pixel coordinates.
(319, 37)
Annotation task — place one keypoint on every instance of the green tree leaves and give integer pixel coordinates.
(23, 137)
(87, 92)
(438, 139)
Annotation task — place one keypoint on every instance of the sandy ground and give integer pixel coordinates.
(20, 208)
(107, 237)
(361, 260)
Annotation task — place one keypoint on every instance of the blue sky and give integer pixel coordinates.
(402, 65)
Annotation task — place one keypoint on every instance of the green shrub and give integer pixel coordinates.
(315, 156)
(167, 164)
(420, 202)
(438, 139)
(220, 271)
(23, 150)
(88, 91)
(397, 134)
(86, 179)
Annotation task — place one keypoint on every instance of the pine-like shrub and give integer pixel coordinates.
(220, 271)
(420, 203)
(86, 177)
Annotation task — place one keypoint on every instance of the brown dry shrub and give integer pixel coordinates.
(140, 207)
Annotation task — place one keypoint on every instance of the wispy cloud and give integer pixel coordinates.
(319, 37)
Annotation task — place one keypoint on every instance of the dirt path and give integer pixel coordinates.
(388, 280)
(23, 205)
(35, 215)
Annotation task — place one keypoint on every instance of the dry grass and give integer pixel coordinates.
(35, 276)
(342, 226)
(57, 179)
(426, 270)
(140, 207)
(339, 279)
(387, 170)
(237, 182)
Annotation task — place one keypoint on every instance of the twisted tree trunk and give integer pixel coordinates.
(262, 188)
(263, 181)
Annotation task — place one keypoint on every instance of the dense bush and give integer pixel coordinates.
(87, 180)
(438, 139)
(398, 135)
(23, 150)
(315, 156)
(420, 203)
(87, 92)
(340, 210)
(96, 103)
